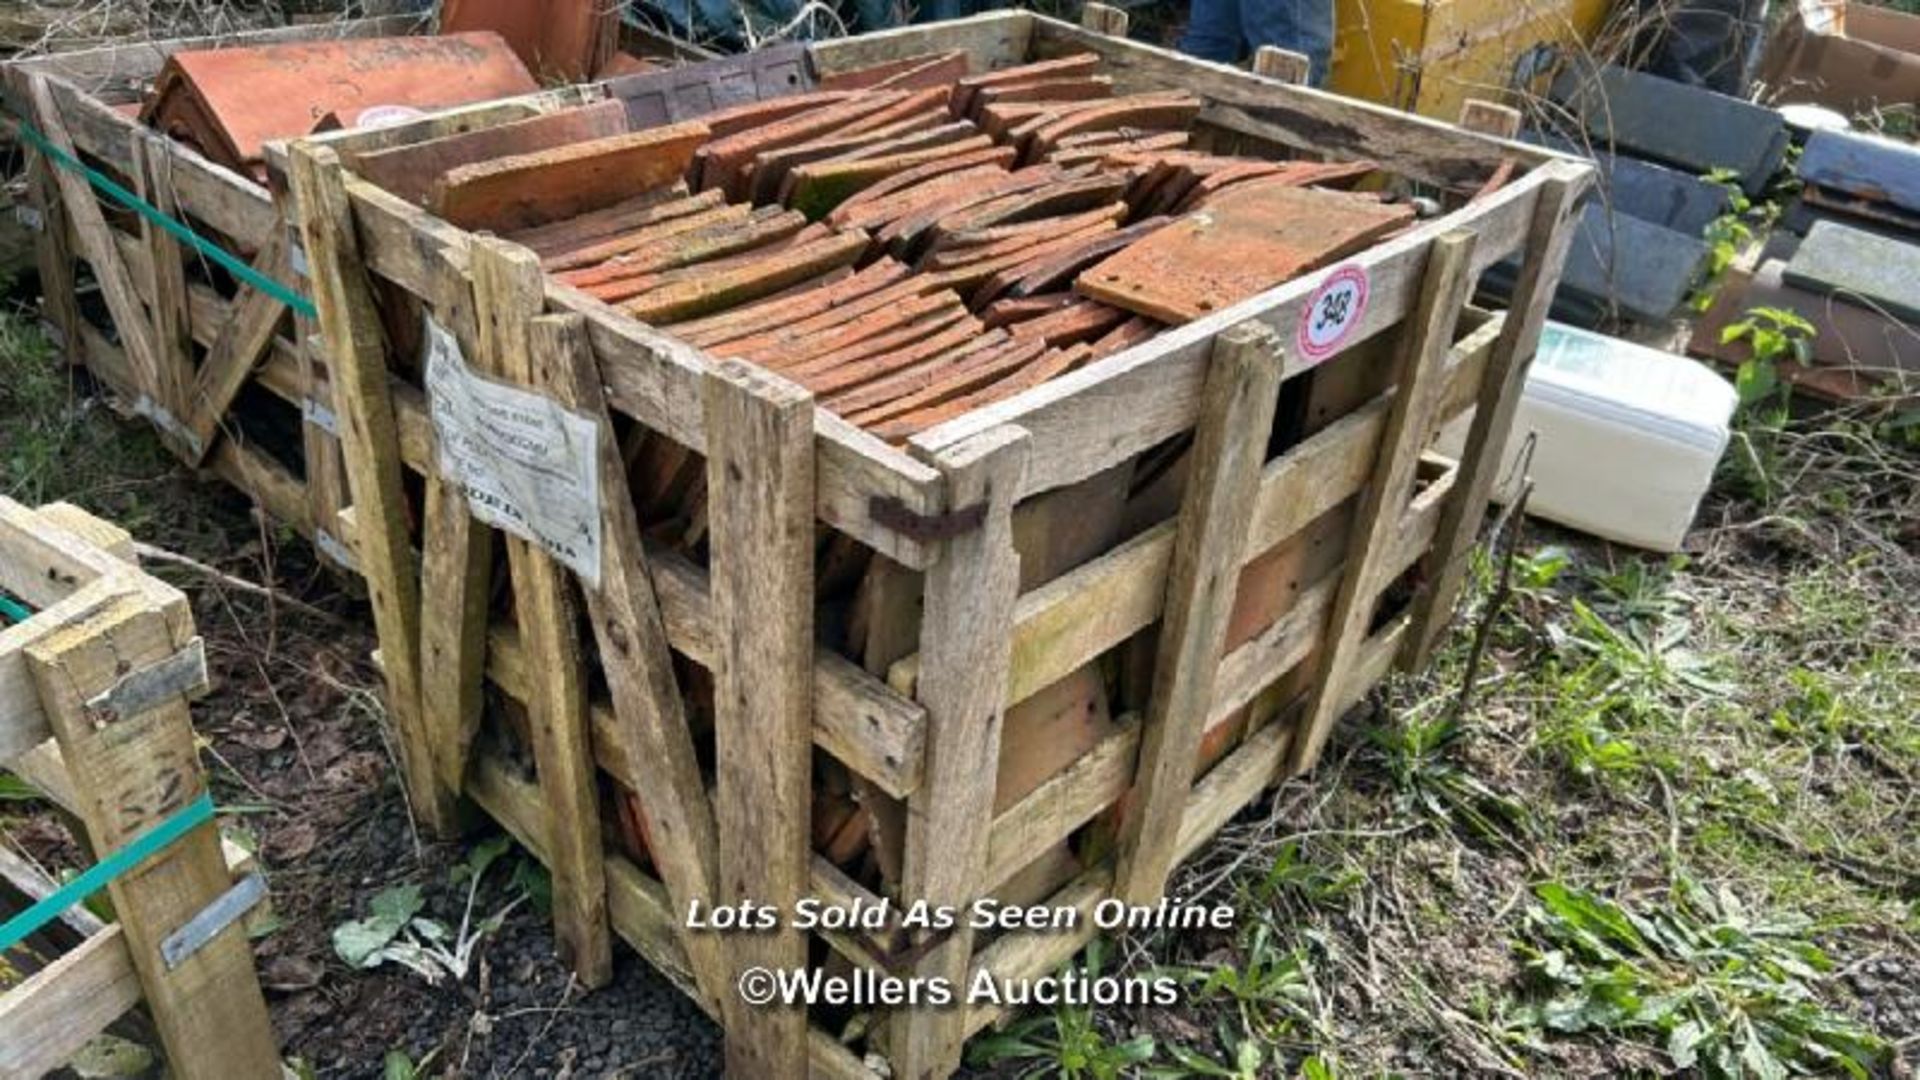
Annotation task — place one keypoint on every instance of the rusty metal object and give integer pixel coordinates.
(1247, 240)
(534, 189)
(229, 103)
(560, 40)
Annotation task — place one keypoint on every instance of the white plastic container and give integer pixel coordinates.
(1628, 436)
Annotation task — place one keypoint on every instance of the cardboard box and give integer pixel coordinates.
(1854, 58)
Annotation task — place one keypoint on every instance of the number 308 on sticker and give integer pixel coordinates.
(1333, 313)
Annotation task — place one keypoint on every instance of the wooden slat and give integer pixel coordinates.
(965, 636)
(655, 744)
(245, 335)
(355, 342)
(1236, 418)
(58, 1009)
(172, 330)
(53, 255)
(1051, 812)
(1550, 234)
(1410, 422)
(507, 298)
(760, 481)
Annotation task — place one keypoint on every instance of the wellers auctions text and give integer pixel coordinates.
(984, 914)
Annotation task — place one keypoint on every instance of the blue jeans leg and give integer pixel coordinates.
(1303, 26)
(1214, 32)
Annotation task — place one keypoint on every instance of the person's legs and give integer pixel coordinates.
(1303, 26)
(1214, 31)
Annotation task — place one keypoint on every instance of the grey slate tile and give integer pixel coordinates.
(1859, 266)
(1870, 166)
(1687, 126)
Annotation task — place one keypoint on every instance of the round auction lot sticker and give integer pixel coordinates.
(1333, 312)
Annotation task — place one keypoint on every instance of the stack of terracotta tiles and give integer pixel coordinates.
(911, 242)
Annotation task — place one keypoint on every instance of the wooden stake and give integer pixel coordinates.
(1288, 66)
(1223, 479)
(252, 320)
(370, 443)
(1104, 19)
(172, 326)
(130, 772)
(1548, 237)
(1426, 339)
(965, 651)
(760, 484)
(1489, 118)
(53, 253)
(508, 293)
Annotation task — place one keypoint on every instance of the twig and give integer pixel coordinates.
(171, 558)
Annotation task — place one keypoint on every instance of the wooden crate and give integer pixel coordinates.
(1273, 570)
(232, 378)
(93, 712)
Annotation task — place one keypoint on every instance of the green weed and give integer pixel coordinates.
(1723, 991)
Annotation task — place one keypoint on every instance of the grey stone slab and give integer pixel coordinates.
(1859, 266)
(1686, 126)
(1683, 202)
(1869, 166)
(1645, 270)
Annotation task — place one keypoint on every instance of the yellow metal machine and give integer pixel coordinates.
(1428, 56)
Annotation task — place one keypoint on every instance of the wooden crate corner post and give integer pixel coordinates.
(370, 445)
(965, 657)
(1104, 19)
(760, 497)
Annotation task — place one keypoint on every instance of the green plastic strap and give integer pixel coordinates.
(96, 877)
(11, 611)
(281, 292)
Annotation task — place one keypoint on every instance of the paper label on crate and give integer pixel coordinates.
(1333, 313)
(526, 465)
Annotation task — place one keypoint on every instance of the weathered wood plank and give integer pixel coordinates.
(1421, 384)
(966, 631)
(760, 485)
(1209, 546)
(57, 1010)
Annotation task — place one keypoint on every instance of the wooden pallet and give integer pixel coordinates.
(75, 723)
(975, 605)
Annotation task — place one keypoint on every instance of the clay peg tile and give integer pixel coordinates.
(1019, 309)
(767, 171)
(701, 245)
(1062, 196)
(580, 259)
(904, 234)
(552, 185)
(1125, 336)
(1072, 324)
(1161, 112)
(783, 351)
(1019, 248)
(970, 277)
(878, 351)
(853, 374)
(821, 186)
(723, 162)
(912, 377)
(1247, 240)
(1045, 91)
(768, 314)
(660, 204)
(893, 145)
(990, 158)
(881, 211)
(409, 171)
(1097, 153)
(1067, 67)
(567, 41)
(1057, 270)
(1002, 121)
(231, 102)
(915, 103)
(908, 73)
(701, 291)
(792, 334)
(992, 239)
(735, 119)
(961, 377)
(1049, 365)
